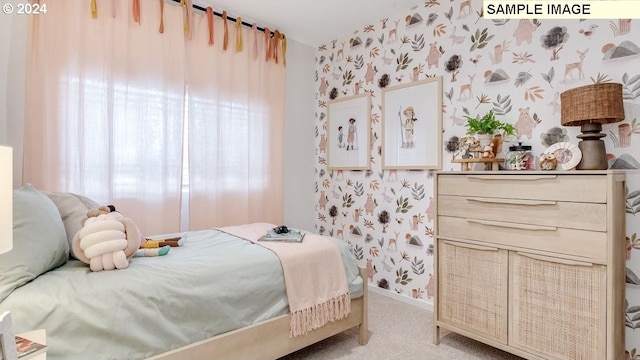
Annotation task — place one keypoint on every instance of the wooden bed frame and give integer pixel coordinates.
(270, 339)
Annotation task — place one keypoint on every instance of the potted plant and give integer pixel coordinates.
(484, 128)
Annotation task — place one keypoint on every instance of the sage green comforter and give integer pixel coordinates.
(211, 284)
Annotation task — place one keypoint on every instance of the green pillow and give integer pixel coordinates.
(39, 240)
(73, 210)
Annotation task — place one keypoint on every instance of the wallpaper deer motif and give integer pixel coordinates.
(518, 69)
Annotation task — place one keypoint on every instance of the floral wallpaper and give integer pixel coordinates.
(518, 69)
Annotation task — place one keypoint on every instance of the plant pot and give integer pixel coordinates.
(484, 139)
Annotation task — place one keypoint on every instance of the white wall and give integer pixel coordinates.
(299, 134)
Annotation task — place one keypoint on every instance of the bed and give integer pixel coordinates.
(217, 296)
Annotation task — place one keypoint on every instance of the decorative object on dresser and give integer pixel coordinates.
(589, 107)
(470, 152)
(486, 126)
(520, 157)
(548, 161)
(566, 155)
(491, 164)
(532, 263)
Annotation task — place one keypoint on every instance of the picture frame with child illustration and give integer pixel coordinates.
(412, 125)
(347, 138)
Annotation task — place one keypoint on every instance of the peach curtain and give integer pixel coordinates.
(236, 125)
(105, 113)
(105, 107)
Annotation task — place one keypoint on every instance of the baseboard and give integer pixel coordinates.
(402, 298)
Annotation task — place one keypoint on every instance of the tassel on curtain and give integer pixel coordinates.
(210, 24)
(284, 50)
(267, 43)
(113, 9)
(274, 42)
(255, 41)
(225, 41)
(238, 34)
(94, 9)
(136, 11)
(188, 17)
(161, 29)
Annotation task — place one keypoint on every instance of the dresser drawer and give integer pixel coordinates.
(572, 215)
(575, 188)
(573, 242)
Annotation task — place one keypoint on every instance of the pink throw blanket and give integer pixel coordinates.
(314, 276)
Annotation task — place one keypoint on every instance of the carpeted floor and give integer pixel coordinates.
(399, 331)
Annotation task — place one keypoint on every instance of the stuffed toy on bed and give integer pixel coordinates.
(108, 240)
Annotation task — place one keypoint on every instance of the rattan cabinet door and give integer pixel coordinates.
(557, 307)
(472, 290)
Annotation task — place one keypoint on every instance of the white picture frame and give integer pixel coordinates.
(348, 133)
(412, 125)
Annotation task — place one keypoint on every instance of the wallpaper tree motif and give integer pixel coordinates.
(518, 69)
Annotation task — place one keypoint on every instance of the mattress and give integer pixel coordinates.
(213, 283)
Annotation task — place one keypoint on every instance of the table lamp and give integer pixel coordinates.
(589, 107)
(6, 199)
(7, 341)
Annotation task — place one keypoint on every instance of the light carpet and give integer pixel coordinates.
(399, 331)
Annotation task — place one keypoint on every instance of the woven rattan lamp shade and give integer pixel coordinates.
(589, 107)
(601, 103)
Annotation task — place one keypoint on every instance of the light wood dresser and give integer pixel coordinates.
(532, 262)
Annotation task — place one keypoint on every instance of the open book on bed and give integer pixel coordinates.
(291, 235)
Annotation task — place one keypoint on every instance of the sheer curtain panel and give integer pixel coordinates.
(105, 106)
(236, 125)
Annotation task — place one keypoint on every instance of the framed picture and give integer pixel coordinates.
(348, 133)
(412, 125)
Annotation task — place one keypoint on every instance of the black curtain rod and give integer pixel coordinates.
(198, 7)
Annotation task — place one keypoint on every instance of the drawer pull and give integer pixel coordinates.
(470, 246)
(512, 177)
(513, 201)
(513, 225)
(555, 260)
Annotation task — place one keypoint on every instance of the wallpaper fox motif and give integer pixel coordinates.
(518, 69)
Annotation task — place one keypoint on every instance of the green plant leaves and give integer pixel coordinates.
(488, 124)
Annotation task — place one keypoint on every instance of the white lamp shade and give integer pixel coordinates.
(6, 199)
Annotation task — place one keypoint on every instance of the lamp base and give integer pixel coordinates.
(594, 155)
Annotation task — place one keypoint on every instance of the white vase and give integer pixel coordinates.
(484, 139)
